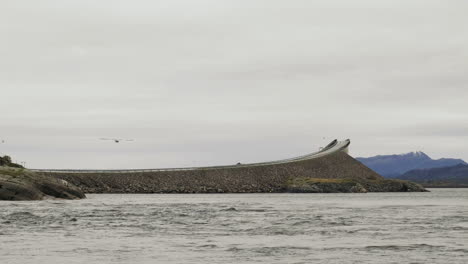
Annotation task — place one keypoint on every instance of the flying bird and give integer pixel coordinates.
(117, 140)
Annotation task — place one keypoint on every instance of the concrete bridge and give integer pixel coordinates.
(331, 162)
(333, 147)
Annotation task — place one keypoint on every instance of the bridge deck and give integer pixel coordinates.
(333, 147)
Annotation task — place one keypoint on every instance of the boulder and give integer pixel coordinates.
(19, 184)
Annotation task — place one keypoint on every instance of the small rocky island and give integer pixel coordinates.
(19, 184)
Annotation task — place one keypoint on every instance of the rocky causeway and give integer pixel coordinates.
(329, 170)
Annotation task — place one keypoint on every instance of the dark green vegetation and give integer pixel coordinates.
(6, 161)
(453, 176)
(20, 184)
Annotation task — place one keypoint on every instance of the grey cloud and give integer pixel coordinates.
(210, 82)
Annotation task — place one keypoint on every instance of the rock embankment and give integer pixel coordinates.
(18, 184)
(338, 172)
(320, 185)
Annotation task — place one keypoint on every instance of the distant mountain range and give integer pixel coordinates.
(394, 166)
(453, 176)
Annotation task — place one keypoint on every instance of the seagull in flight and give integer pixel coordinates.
(117, 140)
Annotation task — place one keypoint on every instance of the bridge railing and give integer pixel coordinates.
(332, 147)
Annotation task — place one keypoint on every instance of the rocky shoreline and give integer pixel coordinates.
(318, 185)
(17, 184)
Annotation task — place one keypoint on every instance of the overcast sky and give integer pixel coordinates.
(219, 82)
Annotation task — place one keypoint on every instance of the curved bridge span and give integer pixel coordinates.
(333, 147)
(331, 162)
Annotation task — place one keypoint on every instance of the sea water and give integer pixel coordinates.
(239, 228)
